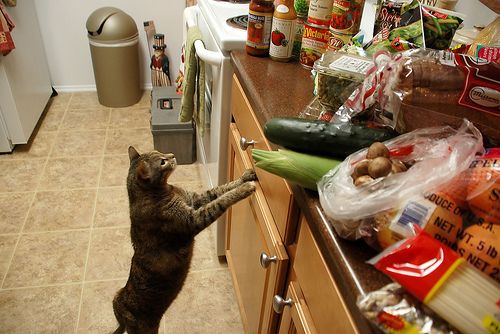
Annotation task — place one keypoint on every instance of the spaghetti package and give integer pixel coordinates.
(395, 311)
(431, 157)
(443, 281)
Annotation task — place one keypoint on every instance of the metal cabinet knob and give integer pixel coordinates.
(280, 303)
(245, 143)
(266, 260)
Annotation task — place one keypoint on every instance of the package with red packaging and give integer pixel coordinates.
(441, 279)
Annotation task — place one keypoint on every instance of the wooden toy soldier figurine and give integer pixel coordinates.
(160, 75)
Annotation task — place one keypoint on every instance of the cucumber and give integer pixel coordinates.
(321, 137)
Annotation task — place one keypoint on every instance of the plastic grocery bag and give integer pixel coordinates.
(435, 154)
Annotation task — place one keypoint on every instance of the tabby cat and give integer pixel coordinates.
(165, 219)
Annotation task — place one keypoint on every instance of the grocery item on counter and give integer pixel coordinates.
(322, 138)
(398, 27)
(337, 75)
(260, 16)
(320, 12)
(282, 31)
(422, 88)
(338, 40)
(302, 169)
(346, 16)
(314, 42)
(301, 7)
(487, 43)
(395, 311)
(443, 281)
(355, 211)
(299, 33)
(439, 27)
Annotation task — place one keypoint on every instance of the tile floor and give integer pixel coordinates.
(64, 227)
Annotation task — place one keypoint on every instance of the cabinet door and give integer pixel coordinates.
(250, 233)
(296, 317)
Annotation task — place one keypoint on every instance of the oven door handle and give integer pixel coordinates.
(209, 57)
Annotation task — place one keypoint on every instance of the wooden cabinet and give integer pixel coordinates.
(281, 281)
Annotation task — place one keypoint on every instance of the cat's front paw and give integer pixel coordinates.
(248, 188)
(249, 175)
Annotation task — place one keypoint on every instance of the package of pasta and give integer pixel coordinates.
(380, 178)
(444, 281)
(463, 214)
(394, 311)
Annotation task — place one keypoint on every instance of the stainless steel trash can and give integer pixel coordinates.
(113, 39)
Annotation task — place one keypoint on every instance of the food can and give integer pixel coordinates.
(299, 32)
(337, 40)
(314, 42)
(320, 12)
(346, 16)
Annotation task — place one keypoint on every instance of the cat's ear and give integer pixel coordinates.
(143, 172)
(132, 153)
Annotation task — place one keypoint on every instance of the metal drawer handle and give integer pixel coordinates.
(266, 260)
(245, 143)
(280, 303)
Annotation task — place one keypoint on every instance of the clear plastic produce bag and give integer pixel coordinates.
(433, 156)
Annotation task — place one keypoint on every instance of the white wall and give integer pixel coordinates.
(64, 35)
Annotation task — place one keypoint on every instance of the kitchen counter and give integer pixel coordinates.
(284, 89)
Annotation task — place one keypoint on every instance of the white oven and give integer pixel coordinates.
(219, 38)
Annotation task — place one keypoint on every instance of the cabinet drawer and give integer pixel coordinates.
(251, 231)
(296, 318)
(276, 190)
(321, 294)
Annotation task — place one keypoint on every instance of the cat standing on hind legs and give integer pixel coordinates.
(164, 221)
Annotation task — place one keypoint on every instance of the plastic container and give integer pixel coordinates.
(170, 135)
(113, 39)
(338, 74)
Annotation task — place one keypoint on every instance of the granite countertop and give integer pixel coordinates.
(284, 89)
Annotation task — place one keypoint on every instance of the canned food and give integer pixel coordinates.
(346, 16)
(320, 12)
(337, 40)
(314, 42)
(299, 32)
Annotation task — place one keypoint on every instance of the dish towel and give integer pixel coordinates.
(193, 85)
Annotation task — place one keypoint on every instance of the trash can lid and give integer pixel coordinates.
(111, 24)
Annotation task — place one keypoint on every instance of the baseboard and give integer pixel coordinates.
(88, 88)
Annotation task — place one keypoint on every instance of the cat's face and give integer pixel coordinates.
(152, 168)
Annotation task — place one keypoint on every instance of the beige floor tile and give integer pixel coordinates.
(145, 100)
(7, 244)
(86, 119)
(52, 119)
(206, 304)
(130, 118)
(197, 186)
(112, 207)
(61, 210)
(39, 147)
(61, 100)
(119, 140)
(78, 143)
(40, 310)
(110, 254)
(20, 175)
(114, 171)
(13, 211)
(70, 173)
(47, 258)
(96, 315)
(85, 100)
(204, 254)
(187, 173)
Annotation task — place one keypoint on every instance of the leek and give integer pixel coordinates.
(304, 169)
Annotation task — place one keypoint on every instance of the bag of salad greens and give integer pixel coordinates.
(439, 26)
(398, 27)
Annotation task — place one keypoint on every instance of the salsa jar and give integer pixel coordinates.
(314, 42)
(260, 17)
(346, 16)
